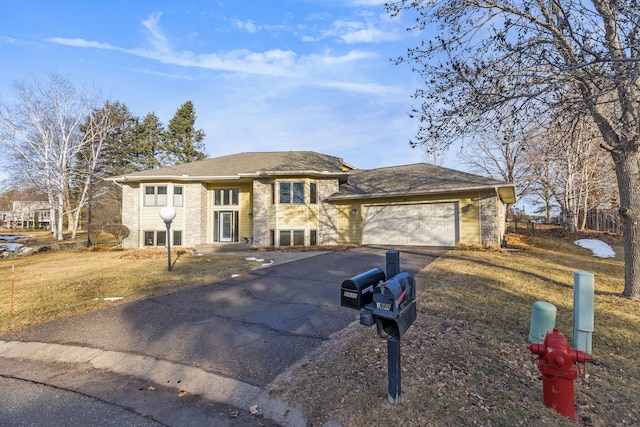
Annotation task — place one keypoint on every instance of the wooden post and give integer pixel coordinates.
(13, 269)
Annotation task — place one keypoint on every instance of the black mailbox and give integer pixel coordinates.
(395, 306)
(358, 291)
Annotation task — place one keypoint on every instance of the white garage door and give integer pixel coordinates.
(433, 224)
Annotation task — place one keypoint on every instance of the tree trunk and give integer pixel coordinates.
(628, 173)
(59, 235)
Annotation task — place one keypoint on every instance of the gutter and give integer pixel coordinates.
(338, 196)
(125, 178)
(209, 178)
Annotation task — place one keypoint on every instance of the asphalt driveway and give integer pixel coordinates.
(250, 328)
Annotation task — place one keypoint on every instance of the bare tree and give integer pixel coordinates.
(96, 130)
(500, 152)
(493, 60)
(42, 131)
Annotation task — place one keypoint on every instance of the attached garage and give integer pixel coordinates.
(427, 224)
(421, 205)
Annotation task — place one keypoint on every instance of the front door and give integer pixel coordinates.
(226, 226)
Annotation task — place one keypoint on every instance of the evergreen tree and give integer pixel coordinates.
(118, 153)
(183, 142)
(149, 137)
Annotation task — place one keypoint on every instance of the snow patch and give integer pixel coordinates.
(598, 247)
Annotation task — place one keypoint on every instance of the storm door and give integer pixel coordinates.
(226, 226)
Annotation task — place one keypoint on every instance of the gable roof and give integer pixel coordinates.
(240, 165)
(417, 179)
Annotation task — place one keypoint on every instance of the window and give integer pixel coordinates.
(313, 237)
(285, 238)
(226, 197)
(149, 238)
(177, 238)
(298, 238)
(155, 238)
(291, 237)
(159, 238)
(293, 195)
(298, 193)
(177, 196)
(313, 192)
(285, 192)
(155, 195)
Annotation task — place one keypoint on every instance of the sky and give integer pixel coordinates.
(263, 75)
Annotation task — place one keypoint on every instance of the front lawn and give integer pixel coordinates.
(465, 362)
(58, 283)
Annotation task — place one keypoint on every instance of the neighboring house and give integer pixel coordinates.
(26, 214)
(307, 198)
(5, 217)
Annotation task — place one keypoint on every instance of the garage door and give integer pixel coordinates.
(433, 224)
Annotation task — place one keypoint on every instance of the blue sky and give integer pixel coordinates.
(263, 75)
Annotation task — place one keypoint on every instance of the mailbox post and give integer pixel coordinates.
(388, 301)
(394, 370)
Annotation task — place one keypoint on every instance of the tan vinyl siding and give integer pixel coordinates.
(149, 219)
(289, 216)
(350, 223)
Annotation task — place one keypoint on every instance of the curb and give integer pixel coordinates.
(192, 380)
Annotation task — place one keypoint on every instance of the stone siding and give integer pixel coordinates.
(130, 214)
(490, 219)
(328, 213)
(261, 211)
(195, 214)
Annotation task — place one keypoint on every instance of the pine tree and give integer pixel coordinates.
(149, 143)
(183, 142)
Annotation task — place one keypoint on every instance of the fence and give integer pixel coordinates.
(606, 220)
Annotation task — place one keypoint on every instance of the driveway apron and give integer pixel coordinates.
(250, 328)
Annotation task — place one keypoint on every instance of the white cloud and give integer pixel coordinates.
(351, 32)
(155, 35)
(77, 42)
(167, 75)
(368, 35)
(252, 28)
(247, 26)
(327, 70)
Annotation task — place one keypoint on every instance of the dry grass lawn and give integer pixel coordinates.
(465, 362)
(60, 283)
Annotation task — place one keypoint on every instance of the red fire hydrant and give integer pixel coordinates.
(556, 361)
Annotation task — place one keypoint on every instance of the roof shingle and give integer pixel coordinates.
(250, 163)
(419, 178)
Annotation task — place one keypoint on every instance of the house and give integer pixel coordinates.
(26, 214)
(307, 198)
